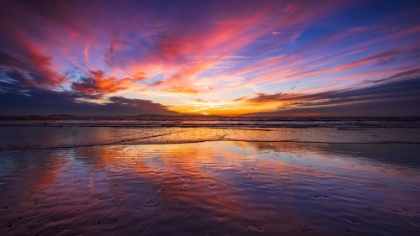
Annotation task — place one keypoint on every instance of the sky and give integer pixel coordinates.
(250, 58)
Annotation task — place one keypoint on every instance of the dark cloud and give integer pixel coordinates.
(397, 98)
(20, 96)
(35, 65)
(407, 73)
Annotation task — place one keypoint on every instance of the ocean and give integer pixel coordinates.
(209, 176)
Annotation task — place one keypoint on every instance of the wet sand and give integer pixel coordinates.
(211, 188)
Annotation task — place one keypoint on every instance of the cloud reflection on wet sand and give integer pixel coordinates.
(219, 188)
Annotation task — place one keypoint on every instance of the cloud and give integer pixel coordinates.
(155, 84)
(184, 90)
(397, 98)
(98, 83)
(151, 49)
(239, 99)
(19, 96)
(412, 72)
(36, 66)
(292, 72)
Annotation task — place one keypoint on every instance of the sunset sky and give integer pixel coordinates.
(262, 58)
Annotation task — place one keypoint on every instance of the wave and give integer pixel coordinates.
(216, 122)
(24, 138)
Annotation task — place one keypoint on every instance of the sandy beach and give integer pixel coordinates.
(204, 181)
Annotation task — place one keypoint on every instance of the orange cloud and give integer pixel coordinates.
(182, 90)
(98, 83)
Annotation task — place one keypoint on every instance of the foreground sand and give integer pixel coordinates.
(211, 188)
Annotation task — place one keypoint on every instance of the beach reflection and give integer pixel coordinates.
(220, 188)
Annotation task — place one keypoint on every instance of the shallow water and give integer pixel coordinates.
(35, 137)
(214, 121)
(212, 188)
